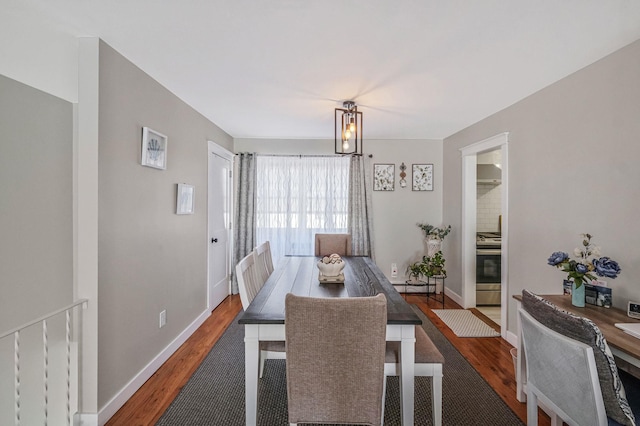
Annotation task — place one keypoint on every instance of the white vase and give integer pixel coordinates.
(434, 245)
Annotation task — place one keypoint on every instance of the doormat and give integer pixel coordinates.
(464, 324)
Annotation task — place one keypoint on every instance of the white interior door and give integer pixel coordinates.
(219, 239)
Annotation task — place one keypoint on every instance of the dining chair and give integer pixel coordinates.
(263, 261)
(326, 244)
(249, 284)
(247, 279)
(335, 359)
(570, 368)
(428, 362)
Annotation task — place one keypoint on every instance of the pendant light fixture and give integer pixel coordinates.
(348, 129)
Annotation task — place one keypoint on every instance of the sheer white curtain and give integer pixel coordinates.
(297, 197)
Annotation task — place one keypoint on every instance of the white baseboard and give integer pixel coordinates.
(136, 382)
(85, 419)
(453, 296)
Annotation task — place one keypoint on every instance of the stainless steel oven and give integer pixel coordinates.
(488, 269)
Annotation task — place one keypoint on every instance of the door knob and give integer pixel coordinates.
(214, 240)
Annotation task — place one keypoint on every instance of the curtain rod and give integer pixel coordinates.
(302, 155)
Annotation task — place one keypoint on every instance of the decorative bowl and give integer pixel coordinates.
(331, 266)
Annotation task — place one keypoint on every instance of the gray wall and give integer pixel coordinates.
(36, 252)
(395, 213)
(150, 259)
(573, 153)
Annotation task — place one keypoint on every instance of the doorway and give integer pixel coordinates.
(470, 154)
(220, 202)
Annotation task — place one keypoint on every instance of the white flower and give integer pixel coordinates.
(595, 251)
(577, 252)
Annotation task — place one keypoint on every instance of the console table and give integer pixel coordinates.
(624, 347)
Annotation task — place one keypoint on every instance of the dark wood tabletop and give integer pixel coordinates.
(299, 275)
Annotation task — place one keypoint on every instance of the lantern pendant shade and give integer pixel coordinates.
(348, 129)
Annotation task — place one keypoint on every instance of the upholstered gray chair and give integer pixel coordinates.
(335, 359)
(333, 243)
(570, 368)
(428, 362)
(263, 261)
(249, 284)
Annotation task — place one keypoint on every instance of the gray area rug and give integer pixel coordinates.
(214, 395)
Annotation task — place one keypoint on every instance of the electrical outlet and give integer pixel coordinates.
(394, 270)
(163, 318)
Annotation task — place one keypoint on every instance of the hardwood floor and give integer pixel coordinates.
(489, 356)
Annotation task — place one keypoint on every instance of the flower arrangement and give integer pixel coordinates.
(588, 260)
(432, 231)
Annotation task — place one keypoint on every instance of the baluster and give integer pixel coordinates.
(45, 378)
(16, 366)
(68, 339)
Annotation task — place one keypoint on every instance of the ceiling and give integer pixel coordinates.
(421, 69)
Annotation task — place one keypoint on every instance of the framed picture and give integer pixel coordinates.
(154, 149)
(185, 199)
(422, 177)
(384, 177)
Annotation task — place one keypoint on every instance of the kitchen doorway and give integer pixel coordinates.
(470, 231)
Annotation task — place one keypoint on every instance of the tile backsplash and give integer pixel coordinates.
(489, 200)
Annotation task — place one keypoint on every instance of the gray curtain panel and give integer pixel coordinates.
(244, 230)
(360, 208)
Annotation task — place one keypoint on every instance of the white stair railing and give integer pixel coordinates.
(66, 369)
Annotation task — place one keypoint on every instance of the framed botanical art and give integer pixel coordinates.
(422, 177)
(384, 177)
(185, 199)
(154, 149)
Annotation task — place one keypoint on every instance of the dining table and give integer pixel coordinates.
(264, 318)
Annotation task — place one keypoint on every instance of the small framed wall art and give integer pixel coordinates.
(384, 177)
(422, 177)
(154, 149)
(185, 199)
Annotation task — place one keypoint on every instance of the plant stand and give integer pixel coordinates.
(430, 286)
(410, 283)
(433, 281)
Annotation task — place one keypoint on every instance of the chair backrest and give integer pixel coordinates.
(264, 262)
(585, 331)
(248, 285)
(333, 243)
(335, 359)
(562, 373)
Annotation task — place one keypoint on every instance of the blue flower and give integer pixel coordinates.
(605, 267)
(557, 258)
(581, 269)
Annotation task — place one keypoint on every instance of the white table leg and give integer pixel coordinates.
(407, 364)
(251, 364)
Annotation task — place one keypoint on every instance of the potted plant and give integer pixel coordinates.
(435, 264)
(417, 270)
(434, 237)
(431, 231)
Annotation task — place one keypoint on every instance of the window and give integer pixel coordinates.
(297, 197)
